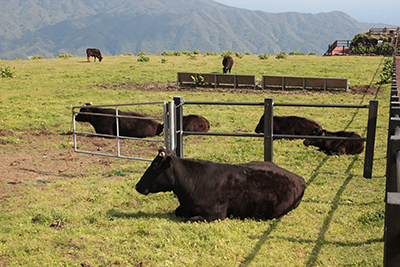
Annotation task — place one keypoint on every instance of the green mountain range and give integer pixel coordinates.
(49, 28)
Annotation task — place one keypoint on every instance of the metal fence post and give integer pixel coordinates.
(171, 123)
(268, 129)
(370, 144)
(179, 125)
(391, 257)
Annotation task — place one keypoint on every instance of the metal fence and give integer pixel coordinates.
(268, 127)
(392, 196)
(166, 121)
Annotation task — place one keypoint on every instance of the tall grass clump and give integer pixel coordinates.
(7, 72)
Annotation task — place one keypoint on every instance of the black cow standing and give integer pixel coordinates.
(290, 125)
(209, 191)
(195, 123)
(132, 127)
(227, 62)
(93, 52)
(336, 147)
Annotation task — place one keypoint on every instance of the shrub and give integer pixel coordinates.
(387, 72)
(36, 57)
(131, 54)
(7, 72)
(141, 54)
(163, 60)
(210, 53)
(193, 57)
(64, 56)
(294, 53)
(225, 53)
(142, 58)
(311, 54)
(187, 52)
(239, 55)
(281, 55)
(196, 52)
(248, 53)
(171, 53)
(263, 56)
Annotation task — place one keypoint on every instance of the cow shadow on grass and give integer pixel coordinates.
(113, 213)
(320, 241)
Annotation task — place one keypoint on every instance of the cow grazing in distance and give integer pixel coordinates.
(195, 123)
(335, 147)
(290, 125)
(227, 62)
(93, 52)
(209, 191)
(132, 127)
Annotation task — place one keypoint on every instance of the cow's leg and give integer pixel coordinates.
(94, 59)
(88, 58)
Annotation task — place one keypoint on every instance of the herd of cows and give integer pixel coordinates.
(134, 126)
(209, 191)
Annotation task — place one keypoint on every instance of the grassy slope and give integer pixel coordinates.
(338, 223)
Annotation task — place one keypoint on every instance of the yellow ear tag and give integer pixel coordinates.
(323, 133)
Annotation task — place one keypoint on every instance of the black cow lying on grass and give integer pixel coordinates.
(195, 123)
(132, 127)
(93, 52)
(210, 191)
(290, 125)
(227, 62)
(336, 147)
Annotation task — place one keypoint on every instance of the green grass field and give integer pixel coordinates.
(97, 218)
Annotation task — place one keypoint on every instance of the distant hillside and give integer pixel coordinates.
(49, 28)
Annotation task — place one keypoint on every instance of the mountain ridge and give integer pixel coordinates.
(154, 26)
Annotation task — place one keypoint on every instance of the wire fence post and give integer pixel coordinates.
(371, 129)
(179, 126)
(268, 129)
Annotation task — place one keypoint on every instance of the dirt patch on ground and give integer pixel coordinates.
(173, 87)
(39, 156)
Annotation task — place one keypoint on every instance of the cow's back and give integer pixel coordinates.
(195, 123)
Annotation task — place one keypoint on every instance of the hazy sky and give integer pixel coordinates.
(372, 11)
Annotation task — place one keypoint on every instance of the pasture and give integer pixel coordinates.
(60, 208)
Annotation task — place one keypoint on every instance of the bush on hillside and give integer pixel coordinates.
(142, 58)
(64, 56)
(281, 55)
(7, 72)
(36, 57)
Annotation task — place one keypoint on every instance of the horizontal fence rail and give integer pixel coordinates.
(268, 132)
(117, 136)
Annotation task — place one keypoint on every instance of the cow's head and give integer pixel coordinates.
(100, 58)
(225, 69)
(154, 179)
(81, 116)
(314, 132)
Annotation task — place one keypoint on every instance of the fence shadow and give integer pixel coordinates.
(325, 226)
(249, 258)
